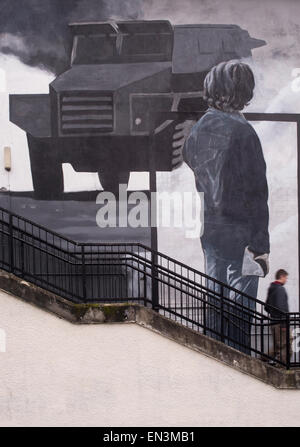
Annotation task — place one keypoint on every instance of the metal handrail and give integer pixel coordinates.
(102, 272)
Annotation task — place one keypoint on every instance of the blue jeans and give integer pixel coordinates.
(237, 313)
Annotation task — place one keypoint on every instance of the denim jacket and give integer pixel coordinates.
(225, 154)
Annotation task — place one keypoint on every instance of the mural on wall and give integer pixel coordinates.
(81, 83)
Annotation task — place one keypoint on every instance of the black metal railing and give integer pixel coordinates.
(130, 272)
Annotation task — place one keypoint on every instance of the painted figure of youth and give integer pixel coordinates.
(226, 157)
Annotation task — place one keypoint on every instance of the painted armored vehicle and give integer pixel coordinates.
(97, 115)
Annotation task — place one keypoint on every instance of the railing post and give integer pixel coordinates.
(262, 341)
(22, 255)
(154, 283)
(222, 314)
(145, 286)
(83, 273)
(288, 346)
(204, 314)
(11, 244)
(152, 119)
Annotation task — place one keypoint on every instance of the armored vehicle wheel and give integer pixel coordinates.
(46, 169)
(111, 179)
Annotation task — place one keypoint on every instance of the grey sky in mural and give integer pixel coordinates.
(36, 31)
(275, 21)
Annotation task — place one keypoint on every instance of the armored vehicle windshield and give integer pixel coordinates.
(115, 42)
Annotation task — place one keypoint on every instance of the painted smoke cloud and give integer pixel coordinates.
(37, 33)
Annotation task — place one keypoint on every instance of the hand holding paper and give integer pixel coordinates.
(255, 265)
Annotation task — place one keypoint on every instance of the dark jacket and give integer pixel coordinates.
(225, 154)
(277, 299)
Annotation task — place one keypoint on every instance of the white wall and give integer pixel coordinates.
(54, 373)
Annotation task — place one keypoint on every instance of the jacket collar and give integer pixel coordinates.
(234, 114)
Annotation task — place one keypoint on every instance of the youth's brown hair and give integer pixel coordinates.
(229, 86)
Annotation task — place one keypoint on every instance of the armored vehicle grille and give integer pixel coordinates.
(86, 113)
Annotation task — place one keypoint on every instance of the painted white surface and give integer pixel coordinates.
(2, 81)
(20, 79)
(54, 373)
(89, 181)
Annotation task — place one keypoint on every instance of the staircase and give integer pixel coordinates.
(91, 274)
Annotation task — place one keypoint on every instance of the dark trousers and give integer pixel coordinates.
(279, 342)
(230, 320)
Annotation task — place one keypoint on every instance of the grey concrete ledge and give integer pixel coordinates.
(94, 313)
